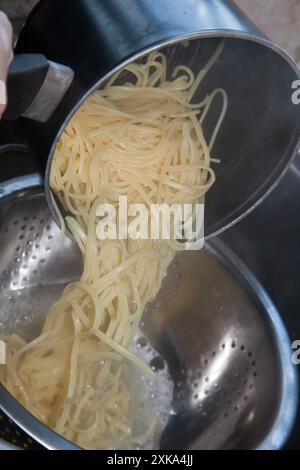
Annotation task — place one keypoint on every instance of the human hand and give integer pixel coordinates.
(6, 56)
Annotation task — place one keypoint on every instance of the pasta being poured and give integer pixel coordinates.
(144, 140)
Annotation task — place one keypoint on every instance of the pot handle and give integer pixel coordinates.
(35, 87)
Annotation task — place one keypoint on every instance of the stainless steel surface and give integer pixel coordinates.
(221, 337)
(256, 74)
(57, 82)
(268, 241)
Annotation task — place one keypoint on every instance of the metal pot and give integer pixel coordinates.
(94, 38)
(256, 145)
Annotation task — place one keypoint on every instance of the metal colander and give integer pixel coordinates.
(212, 327)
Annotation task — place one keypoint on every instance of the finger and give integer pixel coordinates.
(5, 45)
(6, 56)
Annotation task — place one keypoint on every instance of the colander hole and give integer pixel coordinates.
(206, 379)
(14, 441)
(223, 346)
(17, 433)
(206, 361)
(25, 445)
(37, 246)
(195, 384)
(50, 237)
(24, 279)
(34, 271)
(245, 382)
(236, 408)
(199, 374)
(242, 348)
(245, 398)
(229, 402)
(225, 415)
(25, 218)
(239, 394)
(246, 369)
(216, 385)
(48, 227)
(17, 249)
(196, 396)
(47, 248)
(25, 266)
(249, 354)
(21, 237)
(27, 253)
(250, 386)
(41, 221)
(37, 235)
(206, 392)
(33, 257)
(42, 260)
(23, 227)
(253, 364)
(14, 283)
(157, 364)
(233, 345)
(16, 222)
(254, 374)
(34, 217)
(213, 353)
(31, 228)
(142, 342)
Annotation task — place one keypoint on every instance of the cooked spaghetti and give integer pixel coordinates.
(143, 139)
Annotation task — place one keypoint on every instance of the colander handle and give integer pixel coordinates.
(35, 87)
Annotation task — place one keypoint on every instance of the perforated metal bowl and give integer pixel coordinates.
(214, 327)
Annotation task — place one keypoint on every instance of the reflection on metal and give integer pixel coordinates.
(54, 88)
